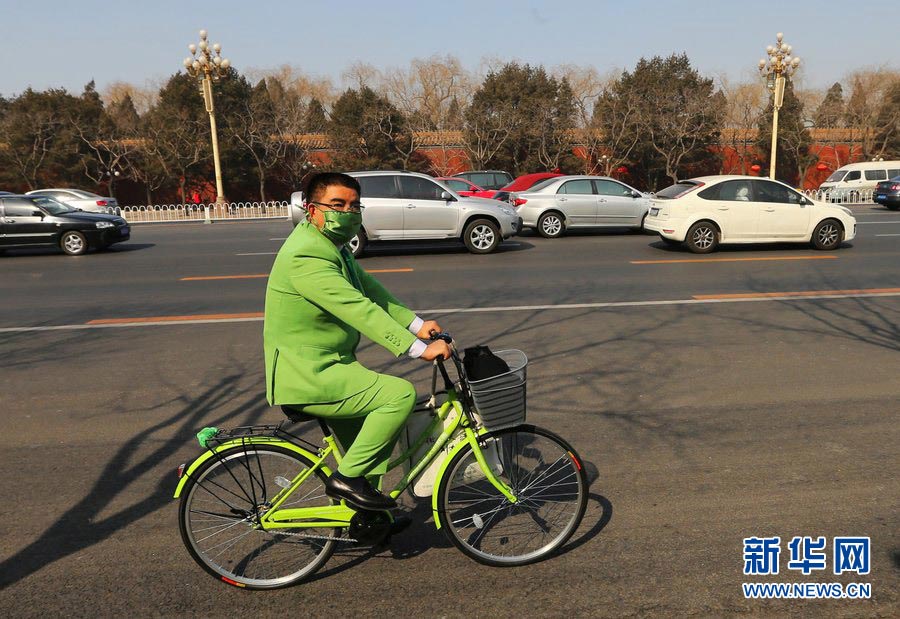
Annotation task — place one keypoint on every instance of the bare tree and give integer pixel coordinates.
(428, 95)
(587, 85)
(870, 121)
(745, 104)
(142, 97)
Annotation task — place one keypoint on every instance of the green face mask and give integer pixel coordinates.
(340, 226)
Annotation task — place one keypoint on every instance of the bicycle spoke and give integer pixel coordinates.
(551, 495)
(233, 545)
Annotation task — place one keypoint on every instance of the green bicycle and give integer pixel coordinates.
(254, 513)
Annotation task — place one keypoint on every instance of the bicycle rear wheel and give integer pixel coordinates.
(220, 510)
(544, 473)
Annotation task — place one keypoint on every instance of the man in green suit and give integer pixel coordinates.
(318, 302)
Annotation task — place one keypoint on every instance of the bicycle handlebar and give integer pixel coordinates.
(434, 335)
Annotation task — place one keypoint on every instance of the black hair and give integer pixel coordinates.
(322, 181)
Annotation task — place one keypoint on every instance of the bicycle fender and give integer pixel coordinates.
(238, 443)
(440, 477)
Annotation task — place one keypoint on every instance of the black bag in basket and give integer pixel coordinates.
(481, 363)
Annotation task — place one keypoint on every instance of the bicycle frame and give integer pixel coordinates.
(460, 432)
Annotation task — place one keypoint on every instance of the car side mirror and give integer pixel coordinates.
(37, 214)
(446, 195)
(635, 194)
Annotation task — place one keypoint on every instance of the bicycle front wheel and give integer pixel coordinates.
(220, 510)
(545, 475)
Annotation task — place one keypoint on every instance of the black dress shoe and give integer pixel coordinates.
(358, 492)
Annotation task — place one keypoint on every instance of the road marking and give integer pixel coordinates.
(258, 316)
(887, 235)
(389, 270)
(805, 293)
(876, 223)
(767, 258)
(279, 238)
(260, 253)
(188, 318)
(261, 275)
(211, 277)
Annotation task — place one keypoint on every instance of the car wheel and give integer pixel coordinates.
(481, 236)
(551, 225)
(827, 235)
(702, 237)
(892, 208)
(73, 243)
(640, 228)
(357, 245)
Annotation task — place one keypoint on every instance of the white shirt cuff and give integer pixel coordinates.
(416, 349)
(415, 325)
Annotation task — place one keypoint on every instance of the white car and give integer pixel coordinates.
(703, 212)
(84, 200)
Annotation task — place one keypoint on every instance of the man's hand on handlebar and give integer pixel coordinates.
(428, 327)
(436, 349)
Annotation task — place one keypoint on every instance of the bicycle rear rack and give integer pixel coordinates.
(212, 437)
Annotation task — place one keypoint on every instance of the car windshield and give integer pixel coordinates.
(836, 176)
(52, 206)
(85, 194)
(677, 190)
(543, 184)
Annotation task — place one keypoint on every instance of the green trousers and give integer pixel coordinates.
(368, 424)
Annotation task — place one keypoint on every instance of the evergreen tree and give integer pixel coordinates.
(316, 120)
(672, 115)
(830, 112)
(519, 120)
(367, 132)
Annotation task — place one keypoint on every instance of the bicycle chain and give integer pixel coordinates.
(327, 538)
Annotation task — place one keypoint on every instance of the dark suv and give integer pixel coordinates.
(487, 179)
(34, 221)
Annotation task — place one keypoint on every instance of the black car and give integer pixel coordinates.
(888, 193)
(34, 221)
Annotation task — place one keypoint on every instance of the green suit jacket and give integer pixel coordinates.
(318, 301)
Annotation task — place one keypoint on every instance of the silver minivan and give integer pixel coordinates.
(402, 206)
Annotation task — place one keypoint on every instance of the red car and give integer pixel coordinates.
(523, 183)
(465, 188)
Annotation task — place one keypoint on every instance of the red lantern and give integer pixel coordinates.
(622, 169)
(755, 167)
(821, 167)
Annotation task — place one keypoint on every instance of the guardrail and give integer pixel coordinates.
(842, 196)
(205, 212)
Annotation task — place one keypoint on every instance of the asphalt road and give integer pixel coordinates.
(709, 419)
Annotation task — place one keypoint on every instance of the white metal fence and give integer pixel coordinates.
(841, 196)
(205, 212)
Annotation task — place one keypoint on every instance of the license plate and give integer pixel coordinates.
(124, 230)
(881, 195)
(654, 212)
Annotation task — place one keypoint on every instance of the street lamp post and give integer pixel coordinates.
(779, 64)
(207, 65)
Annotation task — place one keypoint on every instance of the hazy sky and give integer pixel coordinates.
(56, 43)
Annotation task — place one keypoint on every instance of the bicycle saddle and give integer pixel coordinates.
(298, 416)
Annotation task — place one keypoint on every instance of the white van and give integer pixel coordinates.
(859, 178)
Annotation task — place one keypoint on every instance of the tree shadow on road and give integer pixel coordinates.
(82, 526)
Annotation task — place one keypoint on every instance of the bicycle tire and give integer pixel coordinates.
(470, 505)
(230, 490)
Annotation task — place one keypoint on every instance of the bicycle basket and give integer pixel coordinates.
(500, 400)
